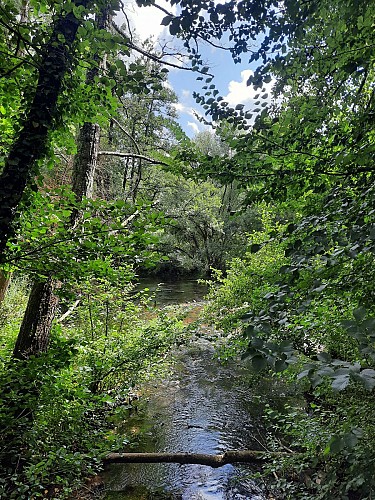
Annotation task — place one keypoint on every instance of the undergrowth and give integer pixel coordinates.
(58, 410)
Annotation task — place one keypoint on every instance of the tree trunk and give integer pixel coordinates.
(30, 145)
(4, 283)
(85, 163)
(34, 334)
(86, 160)
(230, 457)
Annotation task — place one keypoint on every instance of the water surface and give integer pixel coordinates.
(202, 407)
(173, 291)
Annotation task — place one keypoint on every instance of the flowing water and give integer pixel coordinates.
(173, 292)
(203, 407)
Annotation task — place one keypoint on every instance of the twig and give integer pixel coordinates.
(153, 57)
(127, 135)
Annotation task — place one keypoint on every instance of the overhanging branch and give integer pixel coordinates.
(153, 57)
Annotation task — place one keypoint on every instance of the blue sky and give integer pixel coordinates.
(230, 79)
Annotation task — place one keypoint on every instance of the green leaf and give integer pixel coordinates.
(368, 379)
(350, 440)
(258, 363)
(337, 444)
(316, 379)
(359, 313)
(340, 382)
(326, 371)
(324, 356)
(166, 20)
(303, 374)
(369, 324)
(280, 365)
(320, 288)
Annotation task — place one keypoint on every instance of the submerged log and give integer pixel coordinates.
(229, 457)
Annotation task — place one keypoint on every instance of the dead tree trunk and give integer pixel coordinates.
(230, 457)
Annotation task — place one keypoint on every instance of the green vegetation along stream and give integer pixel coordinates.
(202, 407)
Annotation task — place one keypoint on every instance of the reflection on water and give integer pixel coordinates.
(202, 408)
(173, 292)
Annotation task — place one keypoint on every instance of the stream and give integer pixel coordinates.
(202, 407)
(173, 292)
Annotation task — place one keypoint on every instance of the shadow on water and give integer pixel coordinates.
(203, 407)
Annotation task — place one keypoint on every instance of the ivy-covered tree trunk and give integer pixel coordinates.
(30, 145)
(86, 159)
(35, 331)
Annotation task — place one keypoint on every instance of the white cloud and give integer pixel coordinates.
(240, 93)
(145, 20)
(167, 85)
(182, 108)
(194, 126)
(186, 94)
(179, 107)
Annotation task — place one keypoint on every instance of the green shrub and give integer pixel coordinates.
(57, 410)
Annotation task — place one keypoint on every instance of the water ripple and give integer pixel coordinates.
(202, 410)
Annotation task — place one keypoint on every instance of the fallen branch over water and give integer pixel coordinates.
(229, 457)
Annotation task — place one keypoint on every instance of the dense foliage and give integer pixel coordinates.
(60, 409)
(278, 208)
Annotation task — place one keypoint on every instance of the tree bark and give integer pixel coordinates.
(4, 284)
(86, 160)
(230, 457)
(31, 143)
(34, 334)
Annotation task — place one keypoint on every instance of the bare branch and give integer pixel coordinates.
(133, 155)
(127, 20)
(162, 9)
(153, 57)
(127, 135)
(68, 312)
